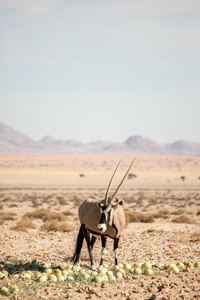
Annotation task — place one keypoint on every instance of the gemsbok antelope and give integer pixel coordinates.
(101, 219)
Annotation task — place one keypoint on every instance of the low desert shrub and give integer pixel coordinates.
(46, 215)
(133, 217)
(61, 200)
(177, 212)
(163, 213)
(56, 226)
(7, 217)
(195, 237)
(35, 203)
(76, 200)
(183, 219)
(13, 205)
(23, 225)
(37, 214)
(67, 213)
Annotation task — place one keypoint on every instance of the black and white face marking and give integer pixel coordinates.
(106, 219)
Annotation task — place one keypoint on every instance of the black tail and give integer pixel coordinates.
(79, 244)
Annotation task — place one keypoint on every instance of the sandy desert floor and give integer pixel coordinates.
(39, 200)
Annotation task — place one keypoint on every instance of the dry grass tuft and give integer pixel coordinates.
(7, 217)
(53, 221)
(13, 205)
(55, 216)
(133, 217)
(46, 215)
(67, 213)
(152, 230)
(36, 214)
(76, 200)
(61, 200)
(178, 212)
(23, 225)
(195, 237)
(35, 203)
(56, 226)
(183, 219)
(163, 213)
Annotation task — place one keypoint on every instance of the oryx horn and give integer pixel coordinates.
(117, 190)
(109, 186)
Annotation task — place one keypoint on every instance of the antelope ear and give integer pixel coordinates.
(117, 202)
(121, 202)
(100, 204)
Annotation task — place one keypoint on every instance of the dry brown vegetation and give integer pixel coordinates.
(7, 217)
(195, 237)
(53, 221)
(133, 217)
(162, 213)
(24, 225)
(45, 215)
(183, 219)
(56, 226)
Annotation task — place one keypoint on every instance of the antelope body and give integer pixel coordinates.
(101, 219)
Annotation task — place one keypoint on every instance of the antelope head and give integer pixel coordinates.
(110, 203)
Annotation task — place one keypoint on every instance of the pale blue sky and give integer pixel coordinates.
(101, 70)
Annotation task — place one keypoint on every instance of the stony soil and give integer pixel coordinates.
(166, 227)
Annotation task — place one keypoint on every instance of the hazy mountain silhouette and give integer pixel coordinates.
(140, 144)
(14, 142)
(184, 148)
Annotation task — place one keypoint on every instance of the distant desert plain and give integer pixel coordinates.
(39, 200)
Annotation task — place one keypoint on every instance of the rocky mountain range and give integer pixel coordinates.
(13, 142)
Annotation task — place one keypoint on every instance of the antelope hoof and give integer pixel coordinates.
(116, 267)
(93, 268)
(100, 267)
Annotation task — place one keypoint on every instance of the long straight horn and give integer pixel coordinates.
(109, 186)
(117, 190)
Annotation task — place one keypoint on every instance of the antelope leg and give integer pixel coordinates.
(90, 245)
(92, 242)
(116, 242)
(103, 250)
